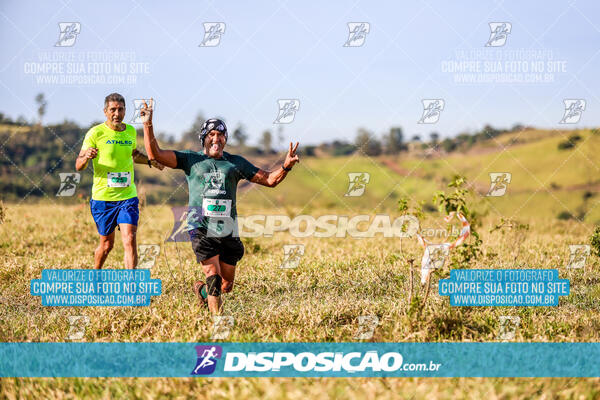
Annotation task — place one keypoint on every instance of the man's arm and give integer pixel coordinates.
(84, 157)
(165, 157)
(269, 178)
(141, 158)
(273, 178)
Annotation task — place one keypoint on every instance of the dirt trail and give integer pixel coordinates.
(394, 166)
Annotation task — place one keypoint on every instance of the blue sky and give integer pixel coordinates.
(294, 50)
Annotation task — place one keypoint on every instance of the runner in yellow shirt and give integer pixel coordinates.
(112, 147)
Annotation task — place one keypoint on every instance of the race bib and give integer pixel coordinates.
(216, 207)
(119, 179)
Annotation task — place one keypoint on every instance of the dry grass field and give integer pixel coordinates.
(338, 280)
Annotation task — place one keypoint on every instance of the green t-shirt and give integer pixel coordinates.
(113, 166)
(212, 184)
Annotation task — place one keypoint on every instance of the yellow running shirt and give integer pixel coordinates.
(113, 166)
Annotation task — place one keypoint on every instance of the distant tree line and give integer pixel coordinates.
(394, 142)
(40, 151)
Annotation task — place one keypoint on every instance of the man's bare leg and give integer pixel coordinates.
(104, 247)
(212, 267)
(228, 275)
(129, 237)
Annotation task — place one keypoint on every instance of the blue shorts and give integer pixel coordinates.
(109, 214)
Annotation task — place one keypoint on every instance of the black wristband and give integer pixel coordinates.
(285, 169)
(149, 163)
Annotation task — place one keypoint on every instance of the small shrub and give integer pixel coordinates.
(569, 143)
(595, 241)
(565, 216)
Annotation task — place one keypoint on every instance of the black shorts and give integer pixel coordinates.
(229, 248)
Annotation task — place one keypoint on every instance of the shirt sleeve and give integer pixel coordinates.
(246, 169)
(89, 141)
(183, 160)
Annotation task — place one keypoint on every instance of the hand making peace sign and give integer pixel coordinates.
(291, 157)
(146, 112)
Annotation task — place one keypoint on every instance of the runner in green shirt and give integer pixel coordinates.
(212, 177)
(112, 147)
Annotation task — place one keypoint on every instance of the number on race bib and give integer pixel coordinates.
(119, 179)
(216, 207)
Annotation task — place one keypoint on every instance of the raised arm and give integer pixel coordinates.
(273, 178)
(165, 157)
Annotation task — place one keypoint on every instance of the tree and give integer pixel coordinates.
(394, 141)
(374, 147)
(448, 145)
(362, 140)
(340, 148)
(240, 136)
(367, 144)
(192, 134)
(5, 119)
(416, 138)
(266, 141)
(488, 132)
(21, 120)
(434, 136)
(166, 138)
(308, 151)
(517, 128)
(41, 102)
(280, 137)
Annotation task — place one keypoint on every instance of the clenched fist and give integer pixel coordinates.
(91, 153)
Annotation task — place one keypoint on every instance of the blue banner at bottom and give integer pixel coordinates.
(299, 359)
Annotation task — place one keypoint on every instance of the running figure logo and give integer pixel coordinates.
(212, 34)
(358, 33)
(508, 326)
(366, 327)
(68, 33)
(207, 359)
(138, 104)
(68, 183)
(432, 108)
(214, 183)
(287, 110)
(77, 325)
(184, 219)
(358, 183)
(292, 253)
(498, 183)
(436, 255)
(147, 255)
(573, 110)
(579, 255)
(222, 325)
(498, 34)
